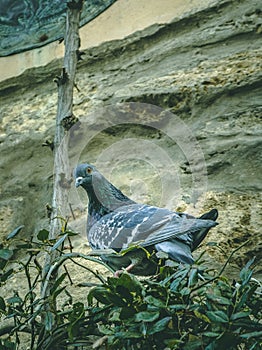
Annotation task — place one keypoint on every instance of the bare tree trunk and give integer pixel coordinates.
(64, 116)
(64, 119)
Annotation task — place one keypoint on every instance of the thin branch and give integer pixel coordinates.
(60, 260)
(31, 296)
(68, 275)
(90, 270)
(222, 269)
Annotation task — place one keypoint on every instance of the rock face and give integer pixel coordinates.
(204, 71)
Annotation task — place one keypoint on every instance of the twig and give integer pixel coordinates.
(222, 270)
(68, 275)
(88, 269)
(72, 212)
(60, 260)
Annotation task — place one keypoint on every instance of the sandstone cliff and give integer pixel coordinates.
(205, 68)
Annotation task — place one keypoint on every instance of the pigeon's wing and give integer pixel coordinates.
(177, 227)
(126, 226)
(200, 235)
(177, 250)
(140, 224)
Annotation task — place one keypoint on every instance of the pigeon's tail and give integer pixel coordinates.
(200, 235)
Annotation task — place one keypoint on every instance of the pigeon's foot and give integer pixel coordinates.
(118, 273)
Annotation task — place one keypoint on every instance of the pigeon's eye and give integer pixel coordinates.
(88, 170)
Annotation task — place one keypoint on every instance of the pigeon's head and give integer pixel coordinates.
(83, 175)
(99, 189)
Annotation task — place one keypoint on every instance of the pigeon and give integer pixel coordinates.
(127, 233)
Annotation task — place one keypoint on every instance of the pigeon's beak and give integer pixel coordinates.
(79, 181)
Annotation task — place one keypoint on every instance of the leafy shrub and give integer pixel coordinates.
(184, 307)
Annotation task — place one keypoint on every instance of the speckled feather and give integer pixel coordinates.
(117, 222)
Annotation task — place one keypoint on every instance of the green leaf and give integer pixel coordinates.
(211, 334)
(185, 291)
(101, 294)
(78, 312)
(2, 305)
(135, 247)
(3, 263)
(116, 299)
(104, 329)
(179, 279)
(124, 293)
(147, 316)
(106, 296)
(211, 346)
(72, 233)
(178, 307)
(154, 301)
(74, 317)
(58, 291)
(15, 232)
(250, 262)
(242, 301)
(246, 273)
(5, 344)
(218, 299)
(127, 312)
(127, 335)
(161, 255)
(173, 343)
(212, 244)
(15, 300)
(193, 344)
(6, 254)
(24, 246)
(193, 277)
(159, 326)
(217, 316)
(48, 320)
(252, 334)
(43, 235)
(246, 324)
(202, 316)
(170, 263)
(59, 242)
(129, 281)
(5, 275)
(240, 314)
(58, 282)
(114, 316)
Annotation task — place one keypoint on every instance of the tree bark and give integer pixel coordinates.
(65, 84)
(64, 117)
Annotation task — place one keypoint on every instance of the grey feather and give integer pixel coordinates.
(117, 222)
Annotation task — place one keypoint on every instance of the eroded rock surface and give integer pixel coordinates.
(204, 68)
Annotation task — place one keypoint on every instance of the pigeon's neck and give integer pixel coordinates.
(105, 198)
